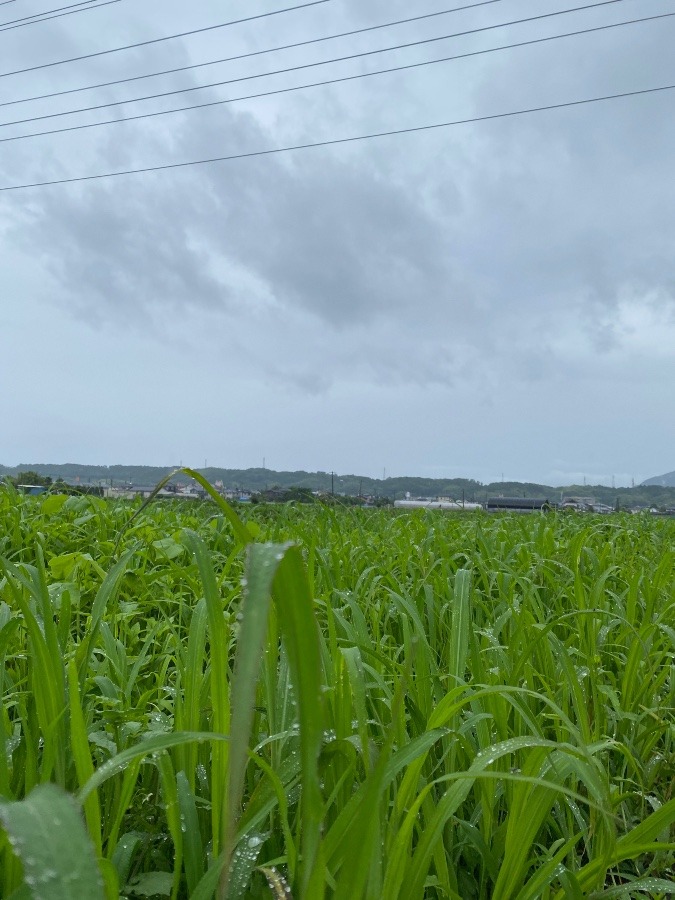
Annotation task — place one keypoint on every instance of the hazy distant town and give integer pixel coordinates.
(266, 485)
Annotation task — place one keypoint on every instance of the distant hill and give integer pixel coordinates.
(667, 480)
(653, 492)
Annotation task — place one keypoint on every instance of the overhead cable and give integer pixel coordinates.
(303, 66)
(345, 78)
(57, 14)
(46, 12)
(170, 37)
(344, 140)
(226, 59)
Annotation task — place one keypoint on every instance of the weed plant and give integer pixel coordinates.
(335, 703)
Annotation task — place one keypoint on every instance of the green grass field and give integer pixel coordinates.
(334, 703)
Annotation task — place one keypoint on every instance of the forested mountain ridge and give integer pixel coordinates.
(667, 480)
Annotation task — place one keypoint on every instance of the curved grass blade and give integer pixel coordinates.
(242, 533)
(139, 751)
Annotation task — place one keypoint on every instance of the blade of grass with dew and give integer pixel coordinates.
(277, 884)
(105, 595)
(193, 847)
(188, 707)
(84, 766)
(173, 816)
(7, 634)
(282, 805)
(140, 751)
(278, 571)
(220, 695)
(637, 841)
(47, 672)
(299, 631)
(261, 567)
(47, 834)
(362, 876)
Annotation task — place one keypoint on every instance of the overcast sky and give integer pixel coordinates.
(474, 300)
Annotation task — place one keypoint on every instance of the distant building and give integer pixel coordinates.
(585, 504)
(518, 504)
(116, 493)
(240, 495)
(32, 489)
(441, 503)
(144, 491)
(582, 503)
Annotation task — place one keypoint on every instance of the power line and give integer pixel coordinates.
(170, 37)
(345, 140)
(46, 12)
(345, 78)
(57, 14)
(303, 66)
(214, 62)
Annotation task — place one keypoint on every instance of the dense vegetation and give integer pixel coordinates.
(417, 705)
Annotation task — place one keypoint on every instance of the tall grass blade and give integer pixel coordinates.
(220, 694)
(261, 568)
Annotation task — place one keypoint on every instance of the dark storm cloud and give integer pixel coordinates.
(341, 243)
(116, 253)
(321, 234)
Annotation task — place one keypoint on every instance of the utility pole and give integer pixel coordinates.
(332, 484)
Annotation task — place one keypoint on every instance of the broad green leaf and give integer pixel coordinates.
(49, 837)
